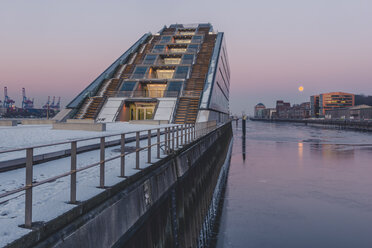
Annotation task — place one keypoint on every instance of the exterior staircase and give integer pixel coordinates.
(90, 108)
(188, 105)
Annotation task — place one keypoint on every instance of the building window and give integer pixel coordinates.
(172, 61)
(150, 59)
(139, 72)
(192, 48)
(158, 49)
(182, 72)
(166, 39)
(188, 59)
(128, 86)
(182, 41)
(177, 49)
(174, 88)
(197, 39)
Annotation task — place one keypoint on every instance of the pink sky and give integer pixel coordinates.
(58, 48)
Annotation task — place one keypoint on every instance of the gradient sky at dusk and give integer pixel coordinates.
(59, 47)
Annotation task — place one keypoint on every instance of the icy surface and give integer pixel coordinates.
(34, 135)
(49, 200)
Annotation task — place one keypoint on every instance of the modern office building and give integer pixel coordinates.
(179, 75)
(334, 100)
(314, 106)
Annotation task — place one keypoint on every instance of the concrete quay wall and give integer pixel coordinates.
(163, 205)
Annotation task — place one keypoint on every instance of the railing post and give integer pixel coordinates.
(122, 155)
(169, 140)
(178, 136)
(102, 164)
(137, 150)
(187, 134)
(158, 145)
(29, 175)
(172, 138)
(190, 128)
(181, 135)
(149, 146)
(73, 173)
(165, 140)
(195, 131)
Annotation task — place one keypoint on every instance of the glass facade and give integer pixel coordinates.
(128, 86)
(139, 72)
(182, 72)
(158, 48)
(150, 59)
(188, 59)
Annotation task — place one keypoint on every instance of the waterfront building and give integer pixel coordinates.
(334, 100)
(269, 113)
(258, 110)
(179, 75)
(282, 109)
(360, 112)
(299, 111)
(363, 100)
(314, 106)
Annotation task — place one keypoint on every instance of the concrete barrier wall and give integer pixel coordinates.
(163, 205)
(96, 127)
(38, 122)
(149, 122)
(9, 123)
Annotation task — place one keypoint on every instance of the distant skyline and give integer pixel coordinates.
(57, 48)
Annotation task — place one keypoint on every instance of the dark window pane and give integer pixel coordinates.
(173, 89)
(196, 39)
(192, 48)
(165, 39)
(128, 86)
(182, 72)
(150, 59)
(188, 59)
(139, 72)
(158, 49)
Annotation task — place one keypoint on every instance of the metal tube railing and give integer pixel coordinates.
(174, 138)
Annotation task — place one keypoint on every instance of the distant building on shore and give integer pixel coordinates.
(314, 106)
(360, 112)
(330, 101)
(282, 109)
(363, 100)
(258, 110)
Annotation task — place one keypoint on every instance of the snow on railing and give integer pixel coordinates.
(175, 137)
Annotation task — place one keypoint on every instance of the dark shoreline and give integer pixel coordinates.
(342, 124)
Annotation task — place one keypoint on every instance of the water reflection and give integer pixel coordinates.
(299, 187)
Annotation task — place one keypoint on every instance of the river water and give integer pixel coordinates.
(298, 186)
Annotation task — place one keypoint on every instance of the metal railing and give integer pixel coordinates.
(174, 137)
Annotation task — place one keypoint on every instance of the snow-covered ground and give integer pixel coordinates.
(49, 200)
(34, 135)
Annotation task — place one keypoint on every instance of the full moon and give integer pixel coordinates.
(300, 89)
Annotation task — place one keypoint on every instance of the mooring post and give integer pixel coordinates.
(29, 175)
(149, 146)
(243, 125)
(73, 173)
(102, 164)
(122, 155)
(137, 150)
(158, 143)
